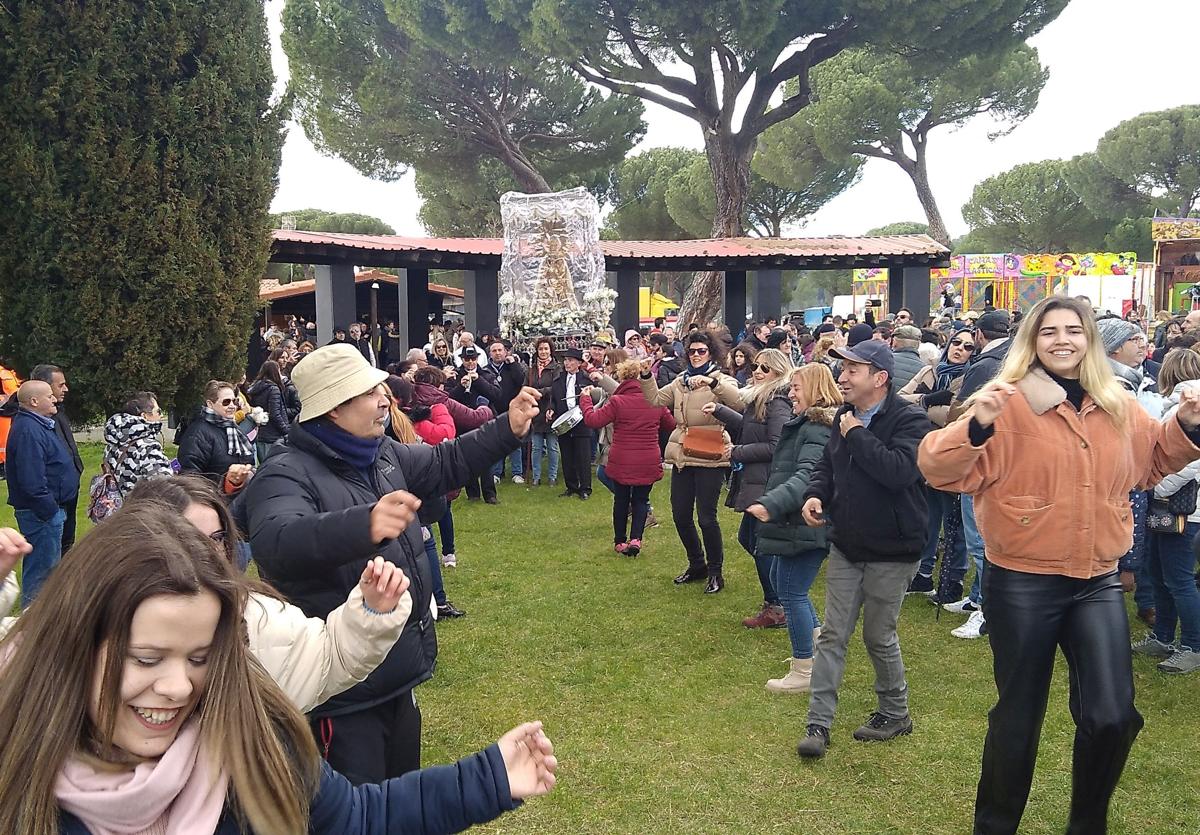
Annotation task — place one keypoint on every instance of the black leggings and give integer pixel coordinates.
(375, 744)
(625, 496)
(1029, 616)
(699, 488)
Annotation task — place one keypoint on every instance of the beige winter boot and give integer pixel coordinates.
(798, 679)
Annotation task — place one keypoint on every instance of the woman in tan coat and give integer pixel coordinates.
(1050, 450)
(696, 482)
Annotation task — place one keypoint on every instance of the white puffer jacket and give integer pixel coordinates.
(310, 659)
(1171, 484)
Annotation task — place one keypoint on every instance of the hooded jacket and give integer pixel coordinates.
(801, 445)
(133, 450)
(308, 516)
(870, 488)
(465, 418)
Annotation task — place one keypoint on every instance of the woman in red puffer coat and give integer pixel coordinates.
(634, 459)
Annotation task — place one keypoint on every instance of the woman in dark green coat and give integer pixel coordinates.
(796, 549)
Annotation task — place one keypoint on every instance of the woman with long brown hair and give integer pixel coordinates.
(1050, 450)
(543, 371)
(129, 703)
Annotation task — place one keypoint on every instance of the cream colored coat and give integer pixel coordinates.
(685, 403)
(310, 659)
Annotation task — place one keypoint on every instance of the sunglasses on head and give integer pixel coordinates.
(697, 352)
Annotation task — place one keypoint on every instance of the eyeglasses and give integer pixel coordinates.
(966, 346)
(228, 401)
(697, 352)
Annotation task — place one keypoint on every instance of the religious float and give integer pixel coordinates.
(1113, 281)
(552, 276)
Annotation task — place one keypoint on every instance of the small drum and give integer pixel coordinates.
(567, 421)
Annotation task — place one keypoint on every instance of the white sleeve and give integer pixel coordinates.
(9, 593)
(314, 660)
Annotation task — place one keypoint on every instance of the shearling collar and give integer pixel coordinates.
(821, 414)
(1041, 393)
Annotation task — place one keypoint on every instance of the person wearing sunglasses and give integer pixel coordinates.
(214, 446)
(933, 389)
(696, 481)
(133, 448)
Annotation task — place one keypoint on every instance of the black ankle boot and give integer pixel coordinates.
(691, 576)
(715, 583)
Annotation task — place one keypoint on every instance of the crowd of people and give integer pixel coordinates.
(1048, 454)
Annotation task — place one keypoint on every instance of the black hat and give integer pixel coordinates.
(572, 353)
(871, 352)
(994, 322)
(469, 354)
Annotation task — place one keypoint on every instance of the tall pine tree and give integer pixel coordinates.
(138, 155)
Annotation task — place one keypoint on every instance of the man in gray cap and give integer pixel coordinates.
(905, 341)
(339, 493)
(868, 487)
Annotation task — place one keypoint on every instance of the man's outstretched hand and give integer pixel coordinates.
(522, 410)
(529, 760)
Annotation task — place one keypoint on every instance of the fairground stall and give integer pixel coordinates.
(1115, 282)
(1176, 262)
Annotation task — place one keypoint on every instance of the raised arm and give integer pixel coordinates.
(653, 394)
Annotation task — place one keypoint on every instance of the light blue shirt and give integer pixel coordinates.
(869, 414)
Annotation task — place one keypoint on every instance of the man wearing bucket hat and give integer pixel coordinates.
(339, 493)
(575, 443)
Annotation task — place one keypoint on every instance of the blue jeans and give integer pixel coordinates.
(435, 568)
(792, 577)
(945, 514)
(446, 529)
(747, 537)
(544, 442)
(602, 477)
(1171, 564)
(974, 546)
(516, 463)
(46, 539)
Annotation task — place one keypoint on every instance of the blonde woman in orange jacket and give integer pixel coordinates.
(1050, 450)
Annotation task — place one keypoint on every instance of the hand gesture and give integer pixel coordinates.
(528, 760)
(238, 473)
(759, 512)
(383, 584)
(13, 546)
(847, 422)
(990, 401)
(698, 381)
(522, 410)
(1189, 407)
(392, 515)
(708, 408)
(813, 513)
(646, 365)
(595, 376)
(450, 373)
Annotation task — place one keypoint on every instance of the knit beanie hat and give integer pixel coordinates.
(1116, 332)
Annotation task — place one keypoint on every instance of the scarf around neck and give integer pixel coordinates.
(709, 369)
(236, 444)
(179, 787)
(359, 453)
(1131, 378)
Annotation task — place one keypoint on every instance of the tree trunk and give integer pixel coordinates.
(729, 161)
(527, 176)
(920, 177)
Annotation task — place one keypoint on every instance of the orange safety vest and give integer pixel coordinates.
(9, 383)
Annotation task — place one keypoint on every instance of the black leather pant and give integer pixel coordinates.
(1029, 616)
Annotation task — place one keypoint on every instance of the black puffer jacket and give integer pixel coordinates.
(204, 449)
(871, 491)
(268, 397)
(308, 516)
(755, 446)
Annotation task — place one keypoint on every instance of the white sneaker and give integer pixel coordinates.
(963, 607)
(973, 628)
(495, 479)
(518, 479)
(449, 560)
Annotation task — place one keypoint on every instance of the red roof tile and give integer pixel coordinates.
(270, 290)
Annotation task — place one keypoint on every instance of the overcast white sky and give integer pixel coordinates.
(1108, 59)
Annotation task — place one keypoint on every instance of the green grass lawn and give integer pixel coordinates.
(653, 695)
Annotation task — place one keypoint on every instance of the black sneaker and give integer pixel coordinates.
(950, 592)
(492, 500)
(815, 742)
(692, 575)
(920, 585)
(449, 610)
(878, 728)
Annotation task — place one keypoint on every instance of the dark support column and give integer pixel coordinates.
(335, 299)
(734, 294)
(895, 299)
(481, 302)
(627, 312)
(413, 287)
(768, 295)
(916, 293)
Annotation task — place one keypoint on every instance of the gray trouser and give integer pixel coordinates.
(877, 588)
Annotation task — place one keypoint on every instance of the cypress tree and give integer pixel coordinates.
(139, 151)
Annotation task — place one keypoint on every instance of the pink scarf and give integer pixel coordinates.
(178, 789)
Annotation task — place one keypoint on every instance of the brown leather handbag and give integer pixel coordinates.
(706, 443)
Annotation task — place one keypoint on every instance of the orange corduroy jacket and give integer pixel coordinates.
(1052, 485)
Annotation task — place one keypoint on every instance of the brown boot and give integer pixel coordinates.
(768, 617)
(798, 679)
